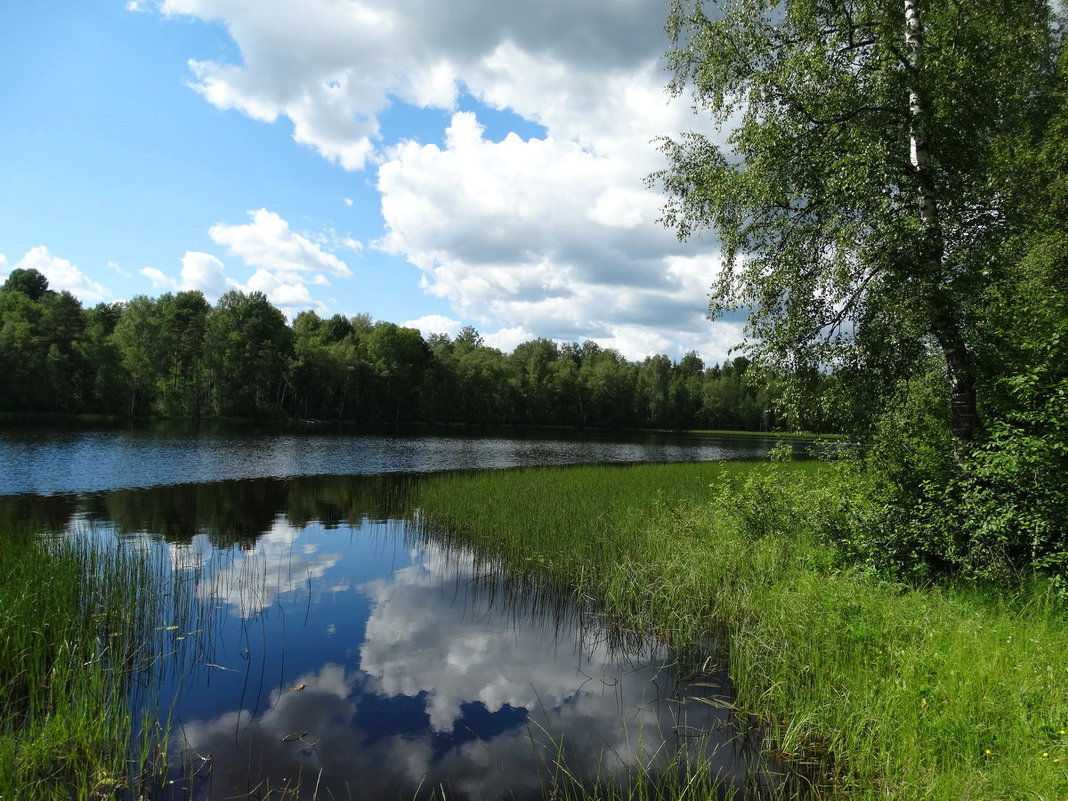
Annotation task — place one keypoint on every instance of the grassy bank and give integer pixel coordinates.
(73, 619)
(892, 692)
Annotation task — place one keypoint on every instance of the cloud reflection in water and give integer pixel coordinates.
(457, 682)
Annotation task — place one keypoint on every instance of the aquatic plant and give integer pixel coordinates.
(867, 687)
(75, 623)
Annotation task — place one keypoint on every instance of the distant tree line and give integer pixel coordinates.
(179, 356)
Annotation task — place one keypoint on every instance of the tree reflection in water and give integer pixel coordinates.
(329, 642)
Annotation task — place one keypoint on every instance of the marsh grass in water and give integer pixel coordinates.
(75, 623)
(866, 687)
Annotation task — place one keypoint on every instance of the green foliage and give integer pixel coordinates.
(248, 347)
(177, 356)
(999, 514)
(916, 513)
(20, 351)
(900, 515)
(877, 224)
(29, 282)
(68, 641)
(139, 339)
(182, 377)
(48, 353)
(844, 251)
(1014, 488)
(398, 358)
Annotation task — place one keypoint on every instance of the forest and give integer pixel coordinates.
(179, 356)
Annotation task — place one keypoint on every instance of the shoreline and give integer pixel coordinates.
(883, 690)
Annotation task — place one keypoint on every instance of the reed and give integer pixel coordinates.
(867, 688)
(75, 623)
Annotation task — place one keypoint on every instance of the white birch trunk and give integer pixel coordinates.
(944, 325)
(919, 145)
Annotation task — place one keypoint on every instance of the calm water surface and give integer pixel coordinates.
(319, 638)
(52, 459)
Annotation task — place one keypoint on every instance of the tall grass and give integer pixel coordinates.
(870, 689)
(75, 622)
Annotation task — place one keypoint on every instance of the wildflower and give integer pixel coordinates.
(988, 752)
(1045, 754)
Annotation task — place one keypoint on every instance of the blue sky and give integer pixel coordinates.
(434, 164)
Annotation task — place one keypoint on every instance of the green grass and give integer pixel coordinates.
(75, 620)
(884, 691)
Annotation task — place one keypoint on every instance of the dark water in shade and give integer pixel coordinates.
(319, 636)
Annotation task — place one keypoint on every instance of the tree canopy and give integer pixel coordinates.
(177, 355)
(889, 191)
(860, 193)
(28, 281)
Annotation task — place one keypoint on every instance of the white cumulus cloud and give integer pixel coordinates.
(204, 272)
(200, 271)
(434, 324)
(61, 275)
(285, 263)
(268, 243)
(159, 279)
(507, 339)
(287, 291)
(332, 68)
(544, 236)
(558, 235)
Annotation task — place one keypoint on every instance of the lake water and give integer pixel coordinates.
(54, 459)
(321, 640)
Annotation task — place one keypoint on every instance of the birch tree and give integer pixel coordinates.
(858, 186)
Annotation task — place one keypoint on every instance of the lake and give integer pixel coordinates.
(50, 459)
(321, 641)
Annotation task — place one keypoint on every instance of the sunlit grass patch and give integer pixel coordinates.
(873, 688)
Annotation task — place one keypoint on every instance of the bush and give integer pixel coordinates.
(917, 513)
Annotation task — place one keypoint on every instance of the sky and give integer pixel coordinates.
(433, 164)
